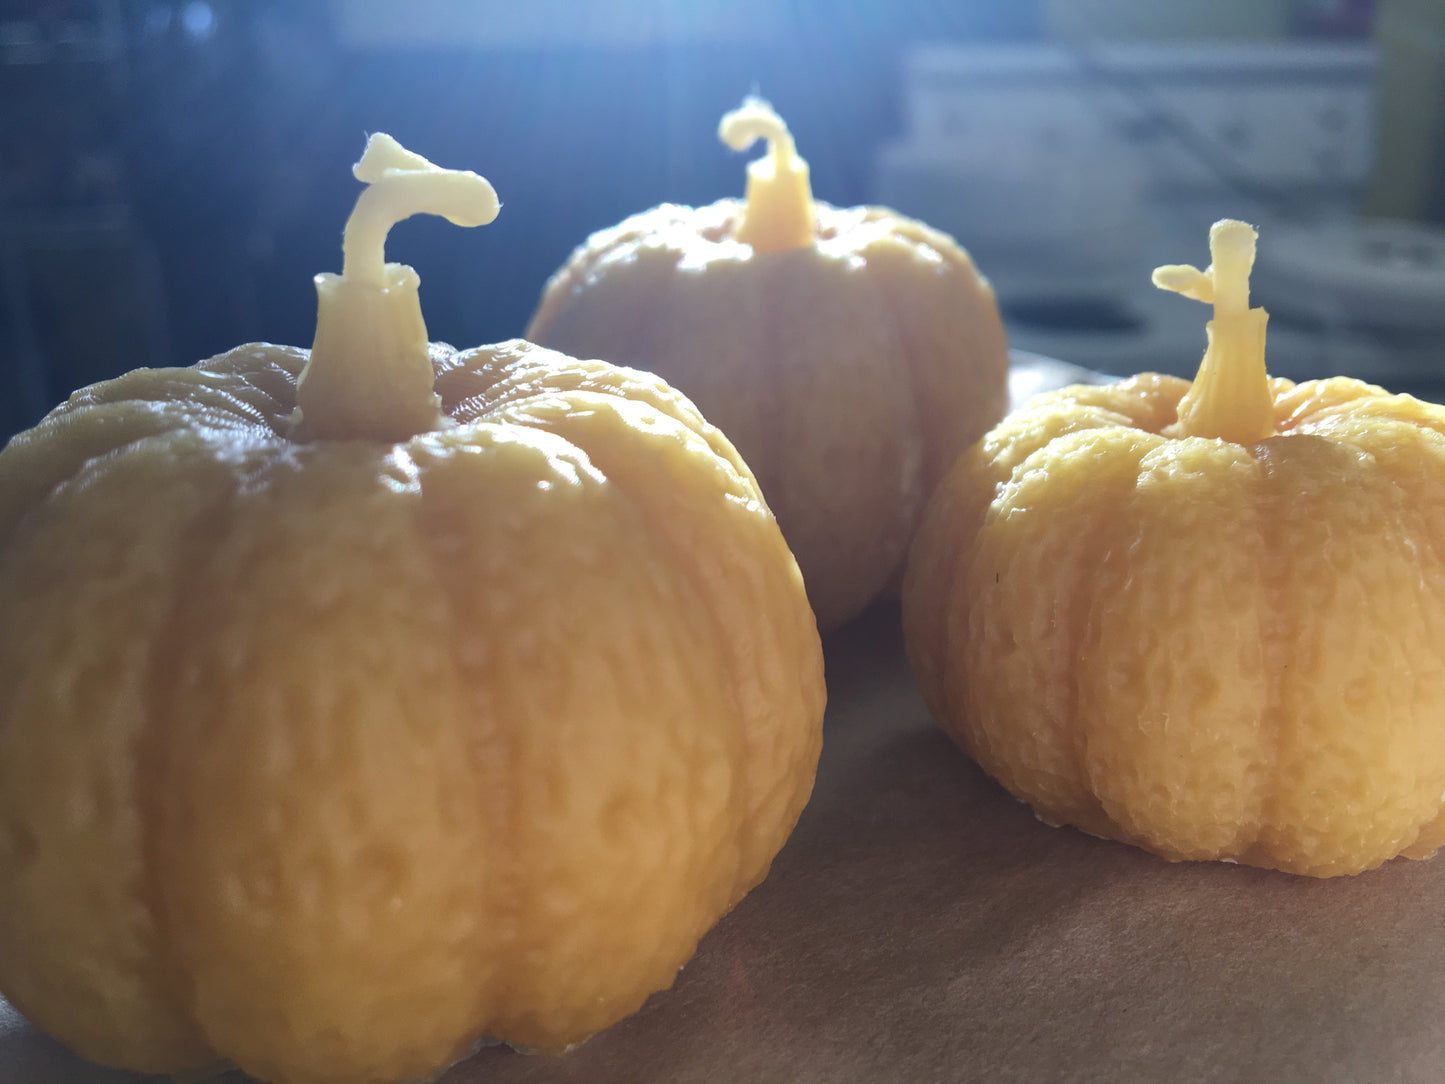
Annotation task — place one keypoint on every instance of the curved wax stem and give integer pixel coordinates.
(779, 212)
(1230, 397)
(401, 184)
(370, 374)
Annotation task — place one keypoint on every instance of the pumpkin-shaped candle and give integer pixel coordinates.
(359, 703)
(1207, 618)
(849, 353)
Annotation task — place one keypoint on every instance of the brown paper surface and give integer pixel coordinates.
(921, 925)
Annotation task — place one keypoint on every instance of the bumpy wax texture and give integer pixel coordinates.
(849, 373)
(1209, 649)
(329, 758)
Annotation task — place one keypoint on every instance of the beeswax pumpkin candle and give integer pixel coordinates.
(849, 353)
(1205, 618)
(357, 704)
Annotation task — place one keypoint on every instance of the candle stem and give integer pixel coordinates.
(778, 213)
(1230, 397)
(370, 375)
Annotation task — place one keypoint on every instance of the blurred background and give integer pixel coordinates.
(173, 172)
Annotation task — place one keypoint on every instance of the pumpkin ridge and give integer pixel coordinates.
(1423, 535)
(270, 386)
(632, 342)
(466, 379)
(791, 445)
(960, 262)
(1098, 551)
(926, 474)
(1277, 619)
(1281, 634)
(209, 394)
(684, 561)
(1276, 640)
(921, 476)
(770, 454)
(36, 467)
(584, 259)
(1108, 480)
(212, 520)
(583, 425)
(494, 774)
(120, 492)
(686, 565)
